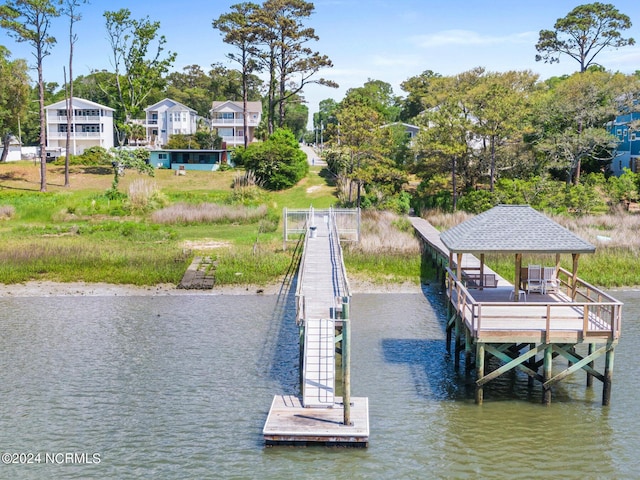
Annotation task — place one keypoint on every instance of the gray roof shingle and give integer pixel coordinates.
(513, 229)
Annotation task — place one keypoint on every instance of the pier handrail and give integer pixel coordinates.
(300, 310)
(465, 303)
(605, 314)
(335, 239)
(340, 278)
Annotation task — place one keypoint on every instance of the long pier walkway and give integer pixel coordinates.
(320, 416)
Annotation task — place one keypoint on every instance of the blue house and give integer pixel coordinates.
(204, 160)
(627, 153)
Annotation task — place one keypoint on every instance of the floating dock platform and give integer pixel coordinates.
(290, 423)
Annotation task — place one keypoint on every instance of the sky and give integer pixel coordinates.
(388, 40)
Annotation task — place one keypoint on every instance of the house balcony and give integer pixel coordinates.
(233, 122)
(75, 119)
(74, 135)
(234, 140)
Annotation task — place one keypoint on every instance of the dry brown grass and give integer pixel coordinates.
(618, 230)
(26, 176)
(444, 221)
(382, 231)
(7, 211)
(184, 213)
(141, 193)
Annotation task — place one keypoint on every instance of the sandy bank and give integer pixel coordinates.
(56, 289)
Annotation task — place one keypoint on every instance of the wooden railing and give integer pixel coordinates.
(600, 312)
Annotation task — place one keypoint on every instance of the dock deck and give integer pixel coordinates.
(289, 422)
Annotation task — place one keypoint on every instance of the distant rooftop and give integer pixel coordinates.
(513, 229)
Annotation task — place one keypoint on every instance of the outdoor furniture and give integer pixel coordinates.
(535, 282)
(472, 280)
(522, 295)
(550, 279)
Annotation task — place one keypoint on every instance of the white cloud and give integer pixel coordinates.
(469, 38)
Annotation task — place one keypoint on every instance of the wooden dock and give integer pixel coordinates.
(524, 331)
(323, 318)
(200, 275)
(289, 422)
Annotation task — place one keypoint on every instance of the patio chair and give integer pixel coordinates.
(550, 279)
(535, 282)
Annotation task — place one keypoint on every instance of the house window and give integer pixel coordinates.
(633, 136)
(619, 132)
(162, 156)
(224, 116)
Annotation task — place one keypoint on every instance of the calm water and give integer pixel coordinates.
(178, 387)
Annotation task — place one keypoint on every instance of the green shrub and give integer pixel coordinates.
(477, 201)
(278, 163)
(92, 156)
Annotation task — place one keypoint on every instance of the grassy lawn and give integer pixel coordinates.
(80, 234)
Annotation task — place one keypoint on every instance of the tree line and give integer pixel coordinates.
(479, 131)
(272, 37)
(474, 130)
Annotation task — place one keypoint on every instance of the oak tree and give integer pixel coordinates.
(138, 60)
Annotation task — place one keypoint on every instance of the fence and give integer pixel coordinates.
(296, 222)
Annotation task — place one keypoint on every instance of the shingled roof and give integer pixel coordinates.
(513, 229)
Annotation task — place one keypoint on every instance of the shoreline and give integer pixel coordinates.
(77, 289)
(47, 288)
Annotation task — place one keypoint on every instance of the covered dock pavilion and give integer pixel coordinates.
(527, 332)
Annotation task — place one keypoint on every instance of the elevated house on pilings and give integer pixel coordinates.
(576, 322)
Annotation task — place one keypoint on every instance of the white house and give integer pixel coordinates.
(166, 118)
(227, 119)
(14, 152)
(91, 126)
(410, 130)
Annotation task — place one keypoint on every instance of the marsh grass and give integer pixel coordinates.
(76, 258)
(251, 266)
(388, 250)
